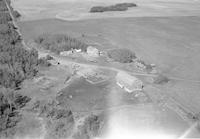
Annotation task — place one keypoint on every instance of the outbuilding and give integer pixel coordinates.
(128, 83)
(92, 51)
(66, 53)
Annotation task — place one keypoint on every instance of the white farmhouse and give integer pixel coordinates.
(128, 83)
(78, 50)
(66, 53)
(92, 51)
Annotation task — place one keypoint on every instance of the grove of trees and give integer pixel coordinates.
(16, 65)
(59, 42)
(116, 7)
(91, 127)
(121, 55)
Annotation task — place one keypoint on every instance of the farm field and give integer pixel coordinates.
(79, 10)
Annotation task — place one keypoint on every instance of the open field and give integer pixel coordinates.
(79, 10)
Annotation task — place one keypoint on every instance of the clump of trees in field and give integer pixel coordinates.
(10, 102)
(121, 55)
(116, 7)
(60, 120)
(91, 127)
(59, 42)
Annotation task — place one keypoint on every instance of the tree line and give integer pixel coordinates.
(59, 42)
(16, 65)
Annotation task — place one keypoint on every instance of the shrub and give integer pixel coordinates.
(90, 128)
(10, 102)
(121, 55)
(48, 57)
(161, 79)
(60, 121)
(43, 62)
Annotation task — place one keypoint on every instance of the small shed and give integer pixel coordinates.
(92, 51)
(128, 83)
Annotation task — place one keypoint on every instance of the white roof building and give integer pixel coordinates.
(66, 53)
(92, 51)
(78, 50)
(128, 83)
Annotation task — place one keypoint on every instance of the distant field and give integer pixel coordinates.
(78, 10)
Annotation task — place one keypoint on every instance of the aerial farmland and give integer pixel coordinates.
(99, 69)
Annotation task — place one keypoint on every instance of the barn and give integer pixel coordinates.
(128, 83)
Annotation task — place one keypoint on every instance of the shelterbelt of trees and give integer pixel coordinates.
(59, 42)
(16, 65)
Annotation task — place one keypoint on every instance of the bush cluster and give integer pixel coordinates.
(91, 127)
(121, 55)
(10, 101)
(60, 120)
(161, 79)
